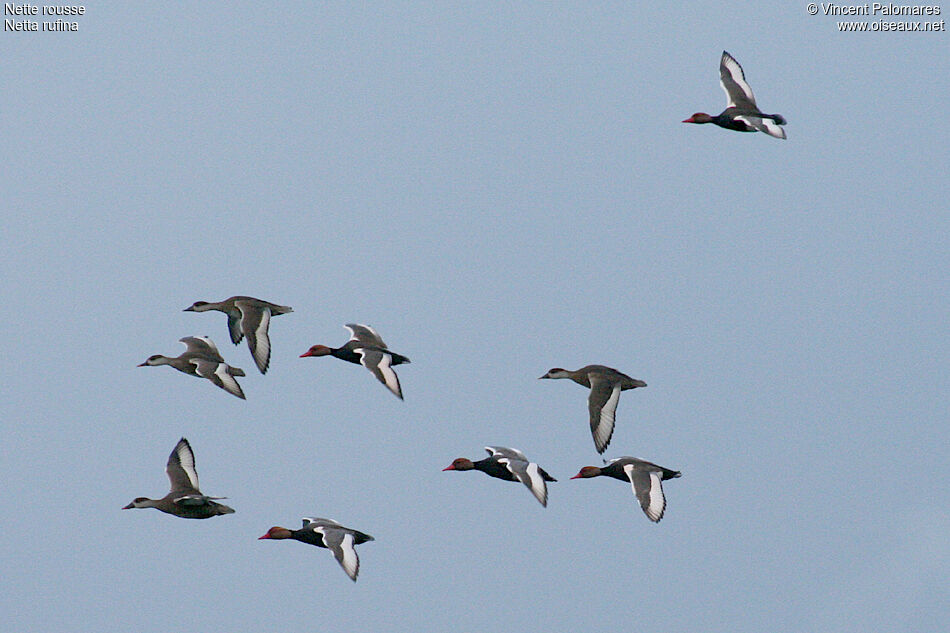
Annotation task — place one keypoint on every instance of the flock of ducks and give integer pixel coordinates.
(250, 318)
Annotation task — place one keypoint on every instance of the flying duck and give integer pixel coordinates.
(509, 464)
(329, 534)
(366, 348)
(202, 360)
(248, 317)
(605, 385)
(645, 479)
(185, 499)
(741, 113)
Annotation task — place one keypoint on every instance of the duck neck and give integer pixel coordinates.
(207, 307)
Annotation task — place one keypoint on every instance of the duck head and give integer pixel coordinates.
(152, 361)
(462, 463)
(587, 472)
(197, 306)
(699, 117)
(557, 372)
(317, 350)
(276, 533)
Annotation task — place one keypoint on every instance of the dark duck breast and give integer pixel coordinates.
(741, 113)
(509, 464)
(644, 477)
(329, 534)
(366, 348)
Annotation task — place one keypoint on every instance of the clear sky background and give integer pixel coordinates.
(498, 188)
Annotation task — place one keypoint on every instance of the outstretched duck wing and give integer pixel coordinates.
(365, 334)
(255, 321)
(732, 79)
(181, 468)
(602, 404)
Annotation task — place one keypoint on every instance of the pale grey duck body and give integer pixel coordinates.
(366, 348)
(645, 479)
(509, 464)
(203, 360)
(185, 499)
(248, 317)
(605, 384)
(327, 533)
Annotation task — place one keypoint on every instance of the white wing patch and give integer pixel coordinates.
(227, 380)
(209, 342)
(753, 122)
(187, 460)
(607, 415)
(772, 128)
(191, 500)
(349, 561)
(392, 380)
(307, 520)
(628, 468)
(536, 483)
(261, 351)
(767, 126)
(657, 500)
(504, 451)
(735, 71)
(203, 367)
(368, 337)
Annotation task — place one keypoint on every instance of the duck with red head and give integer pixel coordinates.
(328, 534)
(366, 348)
(702, 117)
(509, 464)
(644, 477)
(462, 463)
(741, 113)
(277, 533)
(317, 350)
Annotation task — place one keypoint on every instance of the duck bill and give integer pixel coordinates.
(577, 476)
(689, 120)
(142, 364)
(449, 467)
(128, 507)
(306, 354)
(266, 536)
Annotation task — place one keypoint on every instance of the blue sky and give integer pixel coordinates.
(498, 189)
